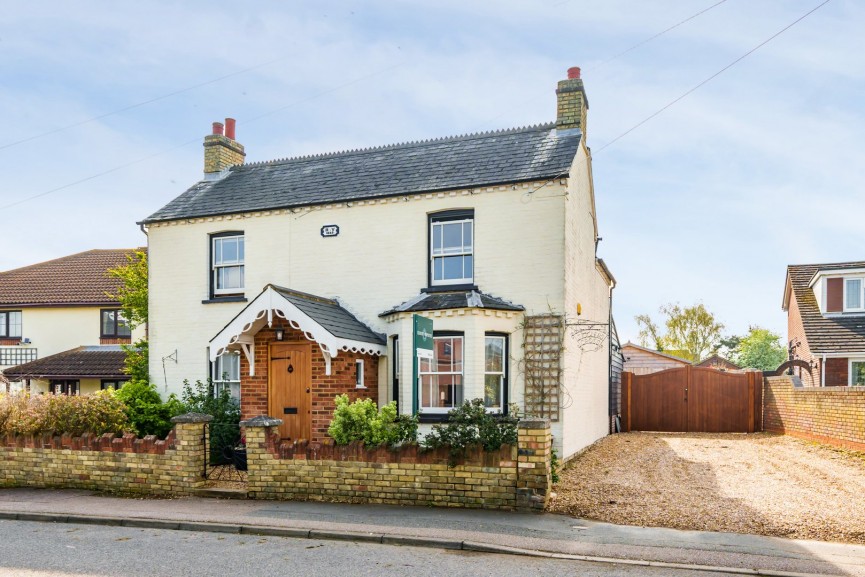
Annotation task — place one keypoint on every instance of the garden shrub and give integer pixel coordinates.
(98, 413)
(471, 424)
(225, 427)
(363, 421)
(148, 415)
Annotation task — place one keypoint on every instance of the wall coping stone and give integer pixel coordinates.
(192, 418)
(534, 424)
(261, 421)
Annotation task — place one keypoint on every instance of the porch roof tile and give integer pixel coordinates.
(453, 300)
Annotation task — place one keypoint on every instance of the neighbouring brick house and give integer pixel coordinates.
(291, 281)
(60, 332)
(825, 305)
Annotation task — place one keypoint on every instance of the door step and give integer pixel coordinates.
(221, 493)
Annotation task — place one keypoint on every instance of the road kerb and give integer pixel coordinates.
(400, 540)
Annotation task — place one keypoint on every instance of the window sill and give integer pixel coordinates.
(445, 288)
(433, 418)
(360, 388)
(228, 299)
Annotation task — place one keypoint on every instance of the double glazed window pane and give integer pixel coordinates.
(494, 372)
(853, 291)
(227, 368)
(10, 324)
(857, 370)
(441, 378)
(114, 325)
(452, 251)
(228, 258)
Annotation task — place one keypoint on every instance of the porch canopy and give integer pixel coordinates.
(321, 320)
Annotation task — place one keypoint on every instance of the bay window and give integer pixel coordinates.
(441, 378)
(495, 372)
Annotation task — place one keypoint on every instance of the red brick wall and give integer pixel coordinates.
(835, 416)
(253, 390)
(115, 340)
(836, 372)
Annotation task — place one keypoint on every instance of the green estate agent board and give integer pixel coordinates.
(422, 347)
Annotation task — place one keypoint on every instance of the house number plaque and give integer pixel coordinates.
(330, 230)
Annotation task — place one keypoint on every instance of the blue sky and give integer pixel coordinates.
(708, 202)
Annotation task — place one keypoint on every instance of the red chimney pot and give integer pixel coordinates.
(217, 128)
(574, 72)
(229, 127)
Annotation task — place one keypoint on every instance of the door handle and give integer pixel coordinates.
(307, 389)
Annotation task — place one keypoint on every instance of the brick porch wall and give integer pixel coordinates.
(253, 390)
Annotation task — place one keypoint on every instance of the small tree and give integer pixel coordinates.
(760, 349)
(132, 296)
(693, 331)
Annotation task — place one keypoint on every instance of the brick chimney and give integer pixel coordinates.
(221, 150)
(572, 102)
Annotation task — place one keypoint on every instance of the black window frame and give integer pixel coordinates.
(506, 396)
(117, 319)
(116, 384)
(69, 387)
(444, 216)
(223, 297)
(4, 328)
(396, 371)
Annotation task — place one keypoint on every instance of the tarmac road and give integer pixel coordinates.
(35, 549)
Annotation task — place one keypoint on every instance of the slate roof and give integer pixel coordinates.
(485, 159)
(330, 315)
(83, 362)
(832, 334)
(453, 300)
(78, 279)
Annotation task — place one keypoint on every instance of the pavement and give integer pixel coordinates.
(544, 535)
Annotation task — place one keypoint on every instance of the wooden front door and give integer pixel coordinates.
(289, 395)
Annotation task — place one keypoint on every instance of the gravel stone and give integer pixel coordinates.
(759, 483)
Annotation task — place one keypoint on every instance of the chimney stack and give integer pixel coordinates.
(572, 102)
(221, 151)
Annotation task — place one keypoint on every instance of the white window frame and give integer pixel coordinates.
(861, 307)
(6, 331)
(358, 375)
(432, 364)
(219, 380)
(239, 262)
(850, 370)
(503, 374)
(440, 254)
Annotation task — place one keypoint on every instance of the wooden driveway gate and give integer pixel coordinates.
(692, 399)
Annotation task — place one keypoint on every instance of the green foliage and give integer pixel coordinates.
(363, 421)
(471, 424)
(225, 426)
(136, 362)
(98, 413)
(148, 415)
(554, 466)
(132, 294)
(760, 349)
(690, 331)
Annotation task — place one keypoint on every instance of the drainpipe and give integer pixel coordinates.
(823, 371)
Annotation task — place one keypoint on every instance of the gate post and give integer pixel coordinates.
(191, 448)
(534, 452)
(259, 442)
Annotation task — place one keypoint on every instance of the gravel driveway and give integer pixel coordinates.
(761, 483)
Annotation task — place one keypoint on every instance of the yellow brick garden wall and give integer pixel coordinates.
(170, 467)
(512, 478)
(831, 415)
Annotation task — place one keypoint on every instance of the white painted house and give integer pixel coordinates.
(292, 281)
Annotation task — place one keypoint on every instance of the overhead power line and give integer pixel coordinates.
(611, 58)
(713, 76)
(138, 104)
(188, 142)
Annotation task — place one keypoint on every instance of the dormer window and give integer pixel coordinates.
(854, 299)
